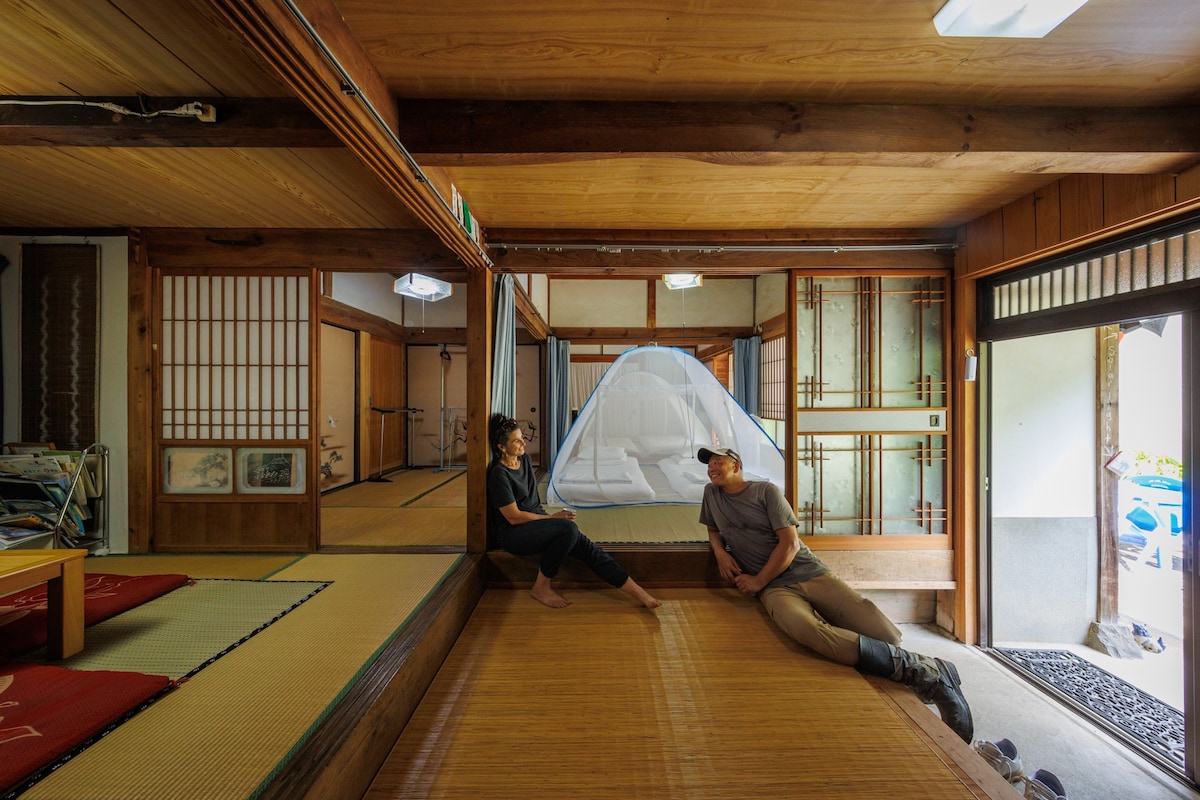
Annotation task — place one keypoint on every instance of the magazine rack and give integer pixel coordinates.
(95, 540)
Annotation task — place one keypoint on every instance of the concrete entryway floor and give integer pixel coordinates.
(1091, 764)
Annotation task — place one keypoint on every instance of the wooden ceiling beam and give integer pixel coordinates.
(91, 122)
(715, 262)
(339, 250)
(311, 48)
(771, 237)
(666, 336)
(461, 133)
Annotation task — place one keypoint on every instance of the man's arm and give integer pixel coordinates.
(726, 563)
(781, 558)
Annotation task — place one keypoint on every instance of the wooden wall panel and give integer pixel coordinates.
(385, 390)
(1047, 213)
(985, 241)
(1130, 196)
(1020, 229)
(209, 526)
(1187, 185)
(1081, 205)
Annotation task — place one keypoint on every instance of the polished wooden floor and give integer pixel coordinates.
(699, 699)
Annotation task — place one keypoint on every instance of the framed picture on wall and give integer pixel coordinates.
(270, 470)
(197, 470)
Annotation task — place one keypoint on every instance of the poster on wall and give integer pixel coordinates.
(197, 470)
(270, 470)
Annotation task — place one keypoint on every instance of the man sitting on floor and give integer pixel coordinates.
(765, 557)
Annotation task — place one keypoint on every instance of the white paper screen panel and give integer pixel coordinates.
(235, 357)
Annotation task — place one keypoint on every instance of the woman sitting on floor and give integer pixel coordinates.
(518, 523)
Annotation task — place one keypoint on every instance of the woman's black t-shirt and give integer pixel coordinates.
(510, 486)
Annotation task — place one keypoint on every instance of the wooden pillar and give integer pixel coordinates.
(963, 466)
(479, 404)
(1108, 438)
(141, 396)
(791, 415)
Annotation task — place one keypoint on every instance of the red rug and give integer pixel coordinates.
(46, 712)
(23, 615)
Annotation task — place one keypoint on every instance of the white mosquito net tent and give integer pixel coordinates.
(635, 439)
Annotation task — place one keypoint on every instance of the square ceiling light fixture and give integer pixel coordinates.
(683, 281)
(422, 287)
(1014, 19)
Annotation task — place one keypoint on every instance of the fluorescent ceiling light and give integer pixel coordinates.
(683, 281)
(422, 287)
(1016, 19)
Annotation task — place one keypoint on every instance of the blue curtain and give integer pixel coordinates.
(504, 349)
(558, 395)
(746, 369)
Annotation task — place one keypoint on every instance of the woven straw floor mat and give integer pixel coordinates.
(222, 733)
(641, 524)
(703, 698)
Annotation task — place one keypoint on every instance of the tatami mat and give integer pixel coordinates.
(249, 567)
(222, 733)
(641, 524)
(399, 488)
(394, 527)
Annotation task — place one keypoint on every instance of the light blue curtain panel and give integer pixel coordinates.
(558, 395)
(746, 354)
(504, 349)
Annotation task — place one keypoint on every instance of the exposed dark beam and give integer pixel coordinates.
(1039, 140)
(340, 250)
(722, 238)
(671, 336)
(240, 122)
(649, 263)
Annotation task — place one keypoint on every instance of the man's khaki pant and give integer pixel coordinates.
(826, 615)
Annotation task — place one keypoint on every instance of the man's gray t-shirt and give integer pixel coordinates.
(748, 521)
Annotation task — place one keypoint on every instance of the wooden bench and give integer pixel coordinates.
(62, 572)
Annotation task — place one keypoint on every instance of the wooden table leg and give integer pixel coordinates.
(64, 611)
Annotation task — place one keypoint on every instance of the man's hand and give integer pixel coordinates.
(749, 584)
(728, 566)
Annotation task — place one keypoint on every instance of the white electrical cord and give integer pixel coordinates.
(202, 111)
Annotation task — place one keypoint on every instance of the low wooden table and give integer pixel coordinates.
(62, 572)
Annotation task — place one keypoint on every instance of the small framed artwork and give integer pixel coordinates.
(198, 470)
(270, 470)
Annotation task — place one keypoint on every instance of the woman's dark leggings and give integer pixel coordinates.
(556, 539)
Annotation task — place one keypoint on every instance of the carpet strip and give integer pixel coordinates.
(221, 733)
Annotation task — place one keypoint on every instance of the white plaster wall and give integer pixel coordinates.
(1044, 426)
(113, 404)
(717, 302)
(770, 297)
(605, 304)
(372, 292)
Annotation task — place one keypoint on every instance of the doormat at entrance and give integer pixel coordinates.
(1142, 716)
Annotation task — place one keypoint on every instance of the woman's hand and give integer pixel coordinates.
(566, 513)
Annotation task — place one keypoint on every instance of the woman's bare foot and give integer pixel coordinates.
(547, 596)
(631, 588)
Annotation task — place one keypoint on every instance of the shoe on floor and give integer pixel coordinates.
(1044, 785)
(1141, 635)
(1003, 757)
